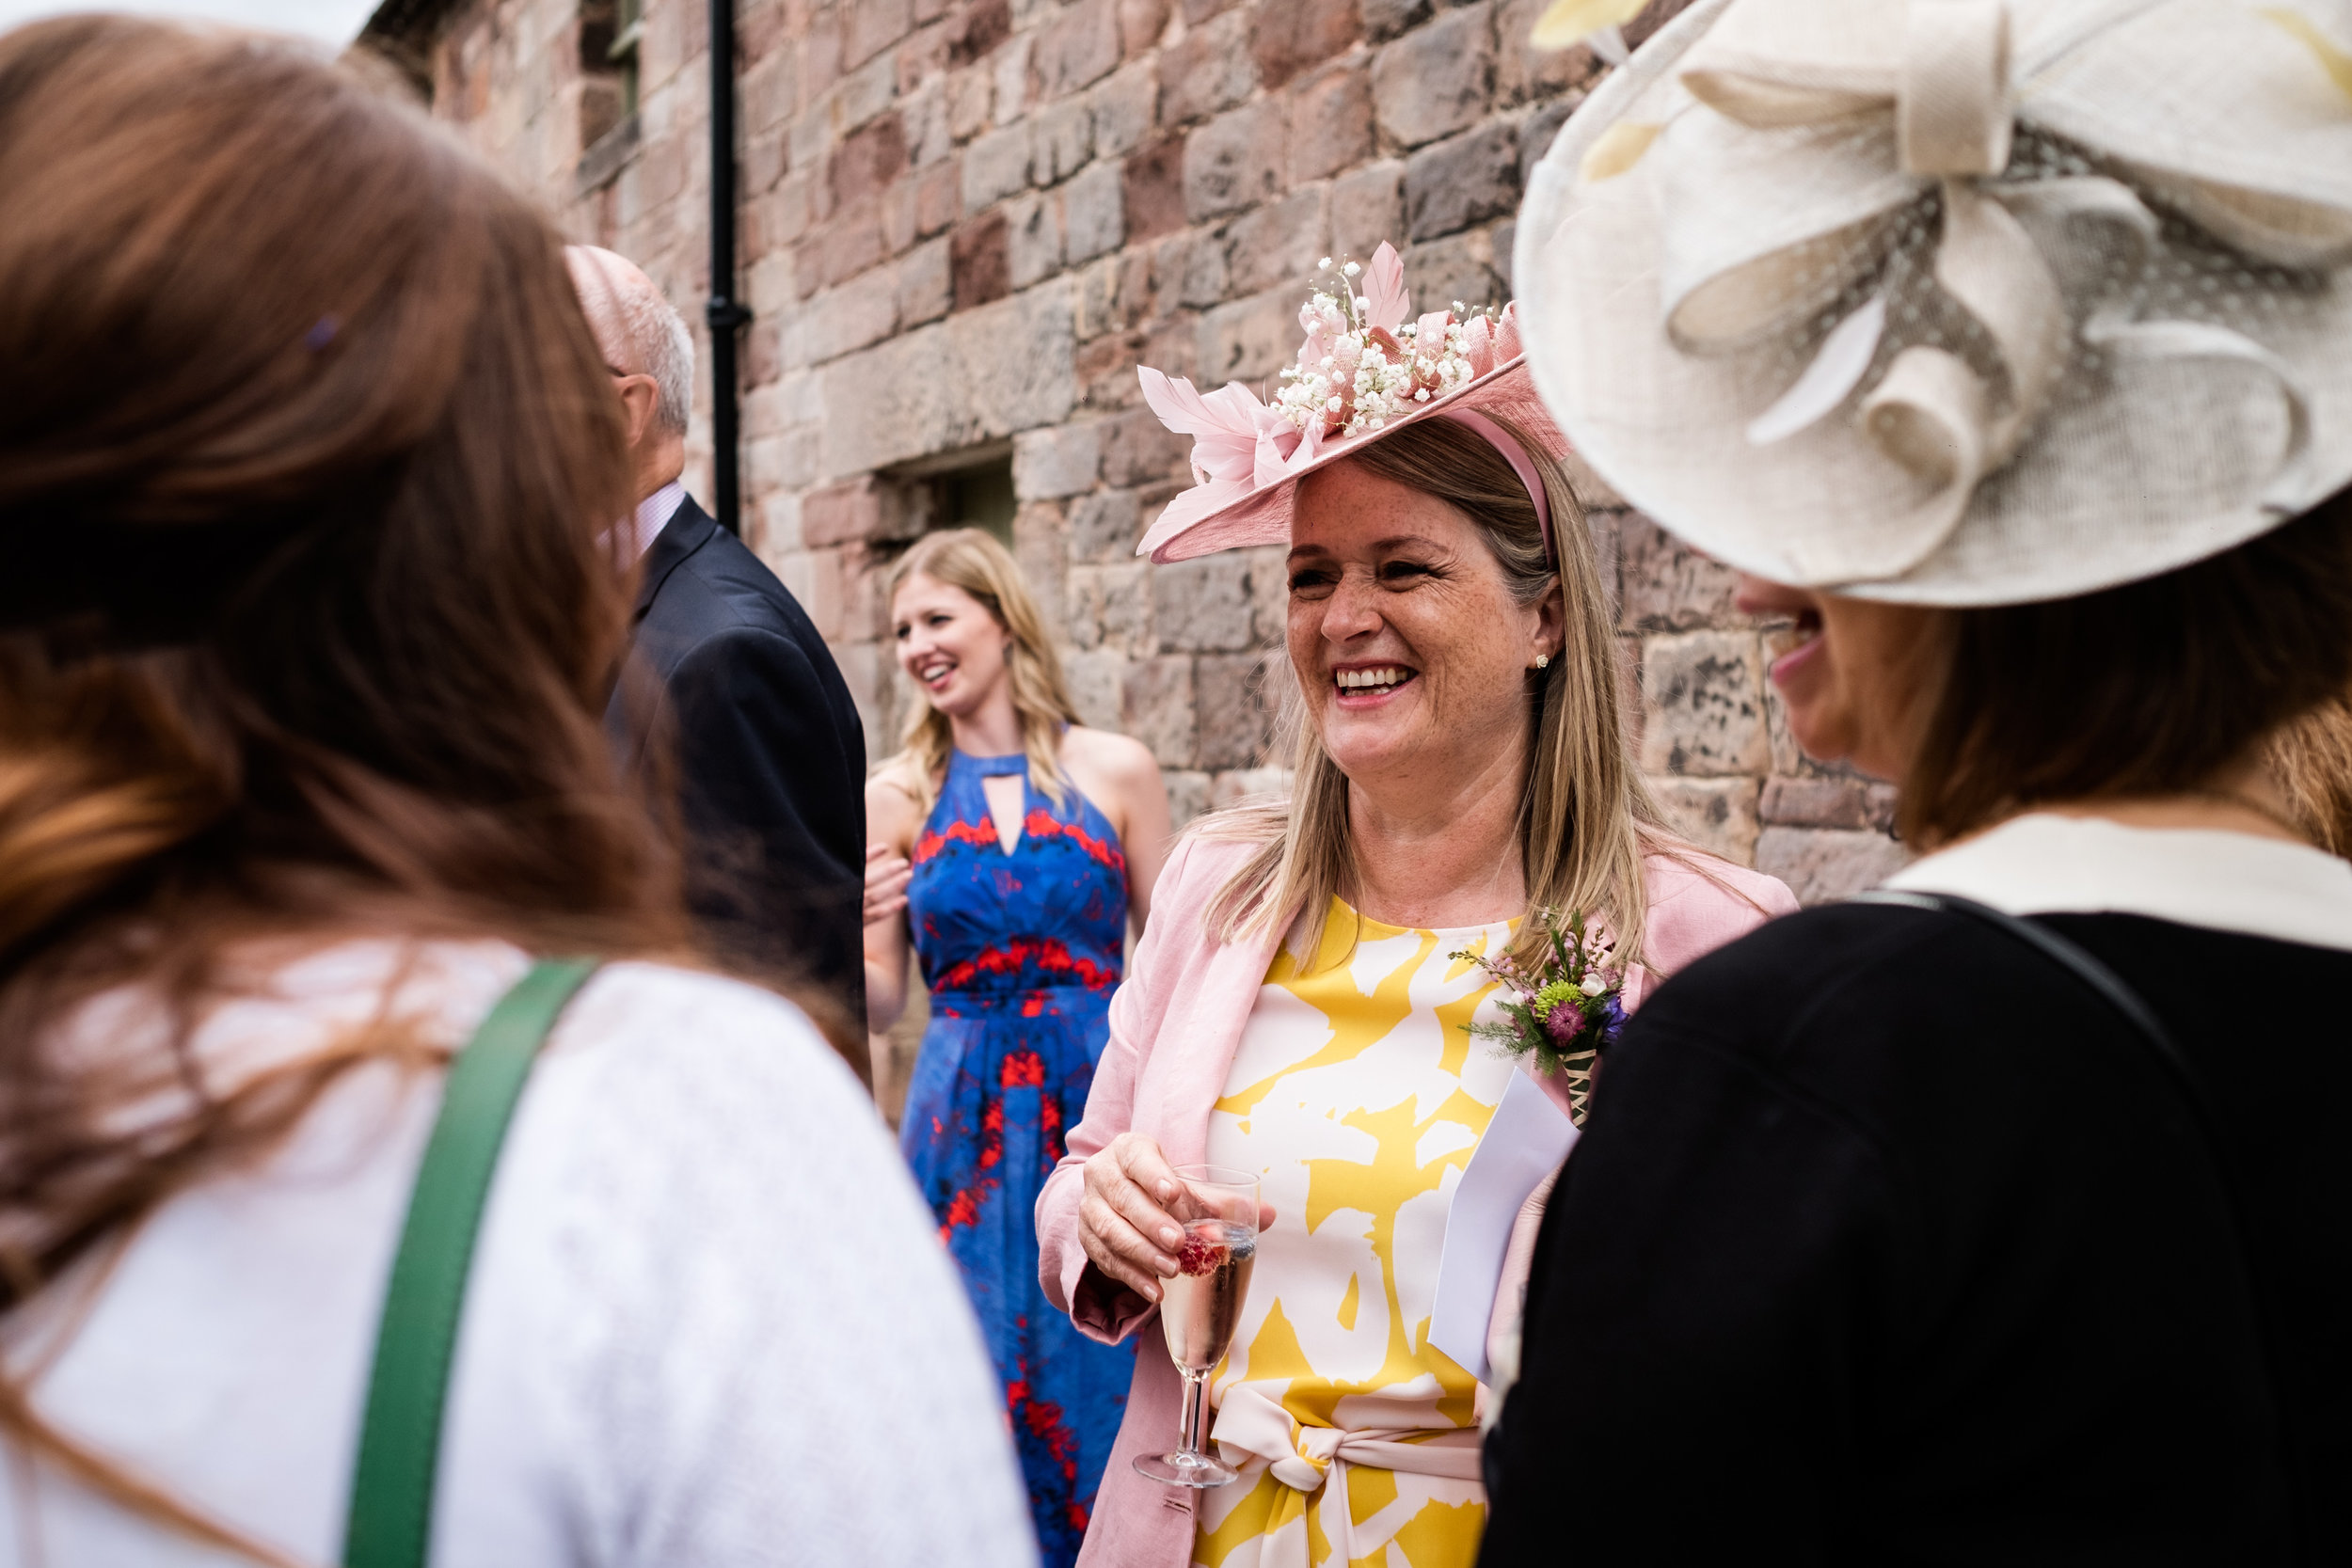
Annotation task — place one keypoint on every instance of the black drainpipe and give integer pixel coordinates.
(725, 315)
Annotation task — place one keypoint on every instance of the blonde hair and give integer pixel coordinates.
(967, 559)
(1585, 818)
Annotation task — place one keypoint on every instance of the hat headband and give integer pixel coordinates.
(1521, 465)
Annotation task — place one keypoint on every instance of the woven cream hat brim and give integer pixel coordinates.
(1682, 268)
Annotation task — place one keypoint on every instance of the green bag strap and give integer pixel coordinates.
(400, 1438)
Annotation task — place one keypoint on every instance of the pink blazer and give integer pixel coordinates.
(1175, 1026)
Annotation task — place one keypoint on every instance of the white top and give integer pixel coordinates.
(708, 1322)
(654, 513)
(2044, 863)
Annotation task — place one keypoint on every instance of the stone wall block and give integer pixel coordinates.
(1032, 238)
(1668, 584)
(1717, 815)
(1243, 785)
(1093, 212)
(1123, 110)
(1065, 139)
(1038, 549)
(863, 310)
(997, 164)
(1250, 340)
(1061, 460)
(980, 262)
(1367, 207)
(1199, 261)
(1188, 794)
(1138, 450)
(1156, 707)
(1208, 71)
(1331, 123)
(1437, 79)
(1104, 526)
(1204, 605)
(974, 32)
(1703, 705)
(872, 26)
(1077, 48)
(1140, 25)
(926, 284)
(1152, 189)
(969, 92)
(1279, 243)
(1010, 75)
(866, 161)
(1460, 266)
(1823, 802)
(1823, 864)
(1097, 679)
(1235, 161)
(1463, 179)
(897, 216)
(953, 384)
(771, 92)
(1111, 607)
(1233, 719)
(1292, 36)
(840, 513)
(1386, 19)
(938, 197)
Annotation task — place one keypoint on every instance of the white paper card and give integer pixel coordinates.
(1525, 1141)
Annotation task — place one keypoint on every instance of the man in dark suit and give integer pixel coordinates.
(726, 672)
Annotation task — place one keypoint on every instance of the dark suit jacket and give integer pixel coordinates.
(726, 669)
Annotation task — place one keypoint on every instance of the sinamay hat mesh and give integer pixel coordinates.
(1957, 303)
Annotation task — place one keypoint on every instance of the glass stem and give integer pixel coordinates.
(1196, 1405)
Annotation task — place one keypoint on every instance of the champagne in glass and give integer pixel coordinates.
(1201, 1306)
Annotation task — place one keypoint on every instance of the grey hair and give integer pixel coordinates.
(666, 350)
(622, 299)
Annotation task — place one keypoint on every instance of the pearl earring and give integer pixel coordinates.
(1542, 660)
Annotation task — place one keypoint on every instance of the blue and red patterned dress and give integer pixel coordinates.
(1021, 952)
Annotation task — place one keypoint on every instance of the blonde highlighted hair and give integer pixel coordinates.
(969, 560)
(1585, 819)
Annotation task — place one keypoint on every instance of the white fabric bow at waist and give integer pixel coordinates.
(1811, 129)
(1251, 1426)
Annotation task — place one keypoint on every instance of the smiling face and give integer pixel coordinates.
(949, 643)
(1407, 643)
(1858, 676)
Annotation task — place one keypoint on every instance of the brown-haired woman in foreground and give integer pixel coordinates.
(308, 600)
(2000, 1218)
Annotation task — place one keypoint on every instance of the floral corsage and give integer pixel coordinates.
(1565, 1012)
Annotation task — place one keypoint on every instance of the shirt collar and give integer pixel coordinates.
(2042, 864)
(655, 512)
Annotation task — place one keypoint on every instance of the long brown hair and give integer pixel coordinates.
(308, 600)
(967, 559)
(1585, 818)
(2153, 687)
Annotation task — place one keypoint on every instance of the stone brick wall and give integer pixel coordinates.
(964, 222)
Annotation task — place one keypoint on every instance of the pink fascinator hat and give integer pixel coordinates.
(1368, 367)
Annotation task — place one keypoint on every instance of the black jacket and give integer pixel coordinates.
(771, 758)
(1889, 1243)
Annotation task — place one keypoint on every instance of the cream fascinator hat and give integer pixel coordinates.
(1367, 369)
(1957, 302)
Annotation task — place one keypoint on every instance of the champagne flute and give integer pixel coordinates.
(1199, 1309)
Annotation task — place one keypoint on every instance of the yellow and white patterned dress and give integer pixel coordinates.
(1357, 1097)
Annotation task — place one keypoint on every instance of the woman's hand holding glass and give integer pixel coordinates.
(1123, 1222)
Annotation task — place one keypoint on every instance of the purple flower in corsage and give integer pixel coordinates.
(1566, 1013)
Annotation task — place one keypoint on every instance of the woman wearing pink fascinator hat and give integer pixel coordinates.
(1333, 988)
